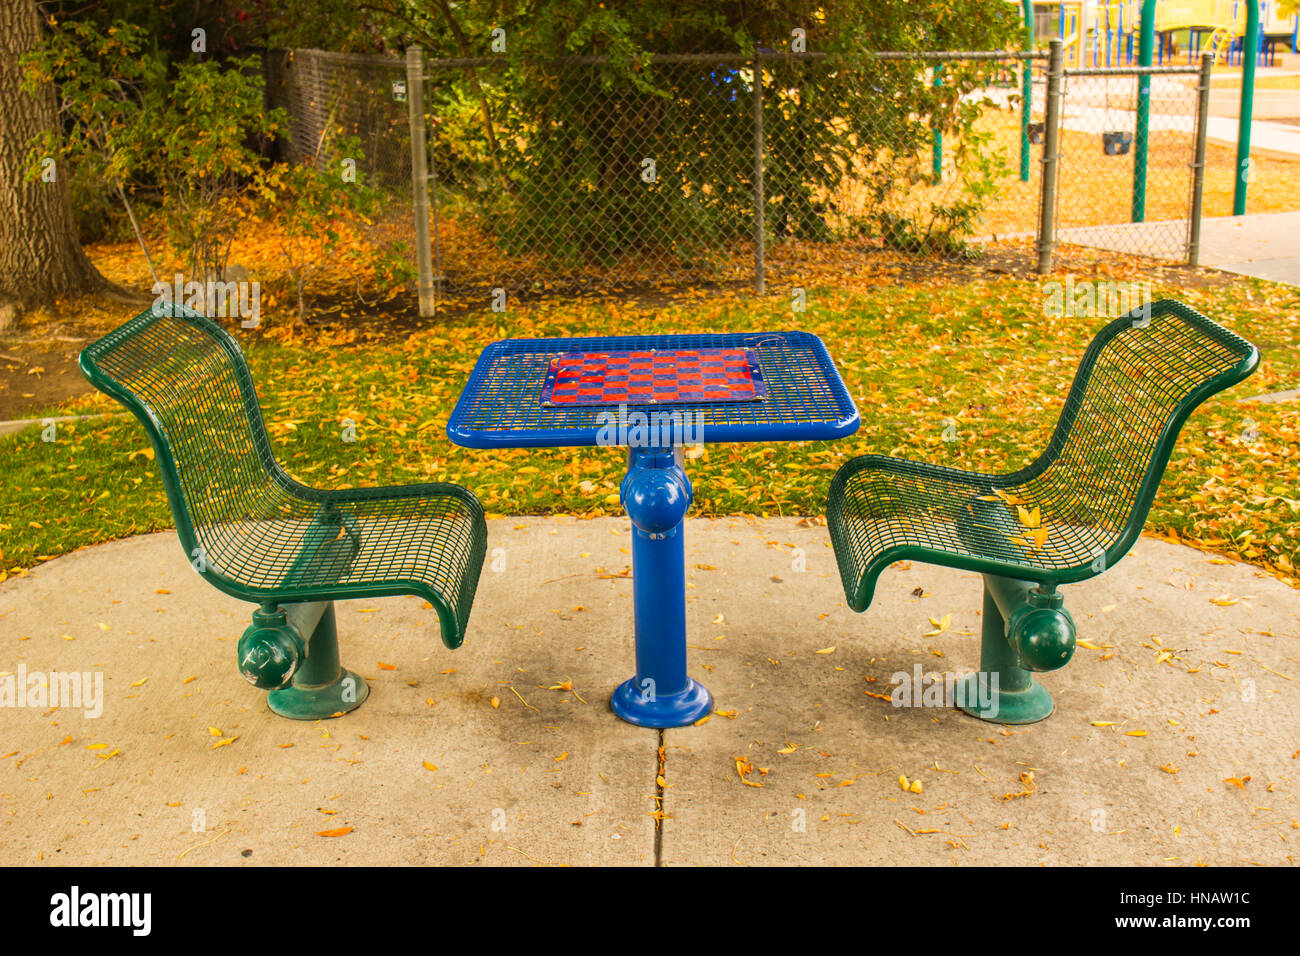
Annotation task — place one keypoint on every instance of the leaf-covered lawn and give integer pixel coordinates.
(981, 357)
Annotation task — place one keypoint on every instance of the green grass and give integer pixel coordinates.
(982, 354)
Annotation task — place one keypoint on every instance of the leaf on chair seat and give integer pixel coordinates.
(1030, 519)
(940, 625)
(1000, 495)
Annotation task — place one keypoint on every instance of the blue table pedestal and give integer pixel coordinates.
(656, 494)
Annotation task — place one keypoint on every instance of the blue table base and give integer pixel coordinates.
(631, 702)
(656, 494)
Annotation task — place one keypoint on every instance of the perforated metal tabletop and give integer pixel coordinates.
(502, 405)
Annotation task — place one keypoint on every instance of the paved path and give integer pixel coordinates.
(1171, 695)
(1090, 106)
(1265, 245)
(1267, 138)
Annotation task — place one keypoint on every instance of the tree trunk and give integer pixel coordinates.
(40, 257)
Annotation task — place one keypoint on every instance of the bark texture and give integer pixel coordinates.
(40, 257)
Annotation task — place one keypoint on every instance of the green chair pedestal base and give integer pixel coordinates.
(989, 700)
(273, 649)
(302, 702)
(1041, 634)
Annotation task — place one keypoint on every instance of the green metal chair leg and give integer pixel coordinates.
(1026, 629)
(304, 677)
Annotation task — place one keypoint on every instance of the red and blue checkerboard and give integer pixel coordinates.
(654, 377)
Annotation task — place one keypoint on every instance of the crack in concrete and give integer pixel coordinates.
(659, 799)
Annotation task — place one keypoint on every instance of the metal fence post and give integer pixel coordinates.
(419, 177)
(1026, 89)
(1198, 164)
(759, 197)
(1142, 118)
(1051, 159)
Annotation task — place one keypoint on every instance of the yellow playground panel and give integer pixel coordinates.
(1227, 14)
(1104, 32)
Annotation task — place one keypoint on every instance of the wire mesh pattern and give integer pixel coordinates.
(587, 185)
(329, 96)
(1100, 151)
(250, 528)
(1078, 508)
(568, 177)
(502, 406)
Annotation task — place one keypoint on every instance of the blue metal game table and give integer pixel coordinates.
(653, 394)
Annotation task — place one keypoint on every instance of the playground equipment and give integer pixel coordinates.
(1110, 31)
(1231, 24)
(1107, 32)
(1245, 114)
(1116, 142)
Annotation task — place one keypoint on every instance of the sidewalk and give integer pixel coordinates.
(505, 752)
(1173, 109)
(1264, 245)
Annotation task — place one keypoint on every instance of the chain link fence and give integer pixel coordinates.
(331, 96)
(559, 177)
(1114, 193)
(574, 176)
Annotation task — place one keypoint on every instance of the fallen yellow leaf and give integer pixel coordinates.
(940, 625)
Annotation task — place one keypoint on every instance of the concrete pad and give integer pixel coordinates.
(555, 780)
(1264, 245)
(550, 638)
(1225, 704)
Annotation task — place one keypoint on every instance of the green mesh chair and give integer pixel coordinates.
(1068, 516)
(259, 535)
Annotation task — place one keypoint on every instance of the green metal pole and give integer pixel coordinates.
(760, 195)
(1026, 89)
(936, 146)
(1146, 48)
(1249, 58)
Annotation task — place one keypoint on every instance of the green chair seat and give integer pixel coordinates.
(245, 524)
(1093, 486)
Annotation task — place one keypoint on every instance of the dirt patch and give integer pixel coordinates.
(37, 375)
(38, 359)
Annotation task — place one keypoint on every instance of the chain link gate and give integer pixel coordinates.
(1117, 192)
(329, 96)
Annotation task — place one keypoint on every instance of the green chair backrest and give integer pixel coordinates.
(187, 381)
(1139, 380)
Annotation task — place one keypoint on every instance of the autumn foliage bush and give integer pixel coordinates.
(191, 138)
